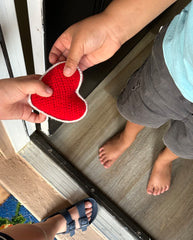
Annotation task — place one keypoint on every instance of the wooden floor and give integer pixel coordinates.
(167, 217)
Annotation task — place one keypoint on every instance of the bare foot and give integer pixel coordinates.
(160, 178)
(113, 149)
(74, 215)
(116, 146)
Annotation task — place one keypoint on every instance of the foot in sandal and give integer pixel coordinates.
(77, 216)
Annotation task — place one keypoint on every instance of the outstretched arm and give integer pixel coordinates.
(97, 38)
(14, 98)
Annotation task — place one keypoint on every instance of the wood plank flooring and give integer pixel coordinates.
(168, 216)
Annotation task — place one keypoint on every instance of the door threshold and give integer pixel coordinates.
(111, 220)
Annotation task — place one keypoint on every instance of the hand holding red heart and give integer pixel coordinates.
(85, 44)
(65, 104)
(14, 97)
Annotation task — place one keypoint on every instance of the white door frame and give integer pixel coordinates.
(16, 129)
(36, 22)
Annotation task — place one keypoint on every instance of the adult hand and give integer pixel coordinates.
(14, 98)
(85, 44)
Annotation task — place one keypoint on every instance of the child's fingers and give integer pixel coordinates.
(55, 54)
(75, 54)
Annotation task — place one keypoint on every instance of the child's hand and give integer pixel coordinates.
(97, 38)
(14, 98)
(85, 43)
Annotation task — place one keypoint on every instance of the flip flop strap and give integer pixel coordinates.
(83, 220)
(70, 226)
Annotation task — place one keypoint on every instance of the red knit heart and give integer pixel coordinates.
(65, 104)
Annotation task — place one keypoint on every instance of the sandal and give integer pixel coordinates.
(83, 220)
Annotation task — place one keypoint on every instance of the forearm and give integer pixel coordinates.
(128, 17)
(97, 38)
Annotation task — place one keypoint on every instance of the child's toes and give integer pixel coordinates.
(150, 190)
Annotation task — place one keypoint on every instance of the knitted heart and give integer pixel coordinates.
(65, 104)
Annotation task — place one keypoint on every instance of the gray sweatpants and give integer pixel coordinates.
(151, 99)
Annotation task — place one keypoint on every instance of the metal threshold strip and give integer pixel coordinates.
(43, 143)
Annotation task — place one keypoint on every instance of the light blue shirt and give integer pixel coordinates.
(178, 51)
